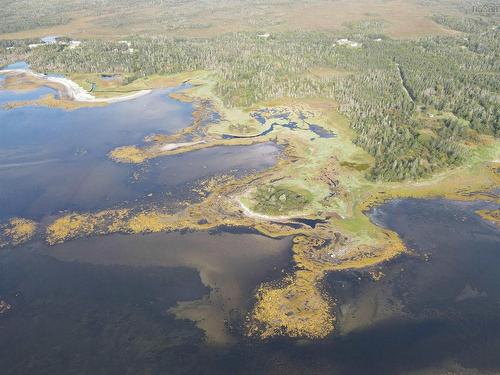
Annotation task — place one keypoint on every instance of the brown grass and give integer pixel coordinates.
(400, 18)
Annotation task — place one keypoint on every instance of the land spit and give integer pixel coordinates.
(73, 91)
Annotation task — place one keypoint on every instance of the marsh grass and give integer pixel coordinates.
(274, 200)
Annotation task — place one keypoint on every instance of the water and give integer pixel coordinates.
(119, 303)
(50, 39)
(109, 77)
(9, 96)
(53, 160)
(436, 308)
(137, 298)
(108, 304)
(321, 132)
(175, 303)
(311, 222)
(17, 65)
(232, 265)
(81, 318)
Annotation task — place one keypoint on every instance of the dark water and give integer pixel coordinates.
(321, 132)
(175, 303)
(116, 304)
(53, 160)
(104, 305)
(80, 318)
(438, 308)
(261, 118)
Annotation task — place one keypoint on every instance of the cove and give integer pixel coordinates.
(53, 160)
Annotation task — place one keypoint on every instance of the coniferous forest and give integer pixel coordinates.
(413, 104)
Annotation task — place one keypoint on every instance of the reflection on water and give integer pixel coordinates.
(232, 265)
(442, 303)
(86, 319)
(108, 303)
(120, 301)
(53, 160)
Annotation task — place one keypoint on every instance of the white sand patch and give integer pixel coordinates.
(74, 44)
(73, 91)
(347, 42)
(248, 212)
(173, 146)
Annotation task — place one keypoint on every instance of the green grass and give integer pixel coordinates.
(280, 200)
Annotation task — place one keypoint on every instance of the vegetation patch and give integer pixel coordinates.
(413, 118)
(16, 232)
(127, 84)
(79, 225)
(490, 215)
(295, 307)
(280, 199)
(128, 154)
(50, 101)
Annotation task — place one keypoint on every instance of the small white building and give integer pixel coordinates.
(347, 42)
(125, 42)
(74, 44)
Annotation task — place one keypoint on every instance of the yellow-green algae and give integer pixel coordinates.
(51, 101)
(16, 231)
(490, 215)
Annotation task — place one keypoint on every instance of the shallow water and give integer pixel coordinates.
(232, 265)
(107, 304)
(436, 308)
(50, 39)
(321, 132)
(17, 65)
(128, 303)
(53, 160)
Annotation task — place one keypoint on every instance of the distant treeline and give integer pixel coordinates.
(454, 82)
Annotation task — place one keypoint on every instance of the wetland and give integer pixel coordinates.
(434, 310)
(168, 232)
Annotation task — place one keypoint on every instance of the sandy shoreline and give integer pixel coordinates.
(174, 146)
(248, 212)
(73, 91)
